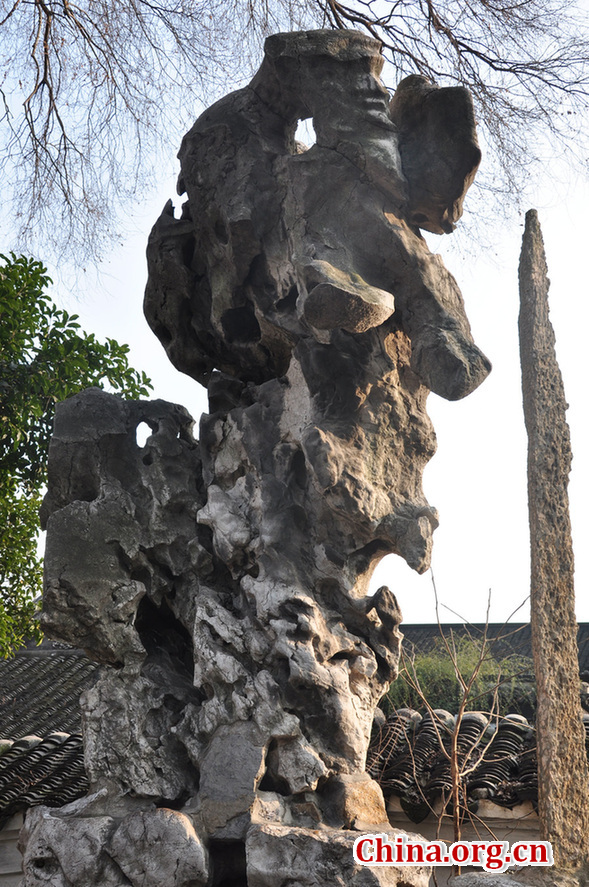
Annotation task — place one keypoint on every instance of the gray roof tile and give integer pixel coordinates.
(41, 751)
(40, 692)
(406, 756)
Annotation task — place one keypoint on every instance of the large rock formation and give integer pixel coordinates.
(223, 583)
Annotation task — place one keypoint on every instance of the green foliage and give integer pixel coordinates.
(44, 357)
(503, 686)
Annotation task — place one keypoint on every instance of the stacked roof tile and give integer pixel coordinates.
(41, 753)
(40, 771)
(409, 757)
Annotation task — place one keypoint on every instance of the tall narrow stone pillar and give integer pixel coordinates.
(562, 763)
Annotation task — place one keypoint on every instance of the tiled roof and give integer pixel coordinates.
(40, 692)
(40, 771)
(41, 753)
(407, 756)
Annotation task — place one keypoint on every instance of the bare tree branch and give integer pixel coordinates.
(94, 93)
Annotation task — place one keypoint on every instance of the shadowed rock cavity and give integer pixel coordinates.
(223, 581)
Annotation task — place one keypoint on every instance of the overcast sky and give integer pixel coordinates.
(477, 479)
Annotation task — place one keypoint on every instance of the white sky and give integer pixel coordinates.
(477, 479)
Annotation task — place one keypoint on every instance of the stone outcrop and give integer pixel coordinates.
(223, 582)
(279, 856)
(145, 848)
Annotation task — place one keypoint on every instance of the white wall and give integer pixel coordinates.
(496, 823)
(10, 858)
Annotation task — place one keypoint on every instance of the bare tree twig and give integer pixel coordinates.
(94, 91)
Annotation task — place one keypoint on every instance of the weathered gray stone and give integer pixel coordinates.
(439, 150)
(63, 851)
(139, 709)
(160, 847)
(276, 242)
(281, 856)
(563, 784)
(223, 582)
(109, 504)
(295, 763)
(232, 767)
(147, 848)
(354, 801)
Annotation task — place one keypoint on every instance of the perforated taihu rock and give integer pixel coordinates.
(224, 580)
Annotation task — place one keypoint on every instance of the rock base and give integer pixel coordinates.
(76, 845)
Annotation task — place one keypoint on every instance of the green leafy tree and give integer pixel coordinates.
(44, 357)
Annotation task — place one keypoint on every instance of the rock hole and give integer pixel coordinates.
(240, 325)
(299, 469)
(221, 232)
(142, 432)
(165, 639)
(305, 133)
(175, 803)
(46, 864)
(344, 655)
(289, 302)
(270, 781)
(228, 864)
